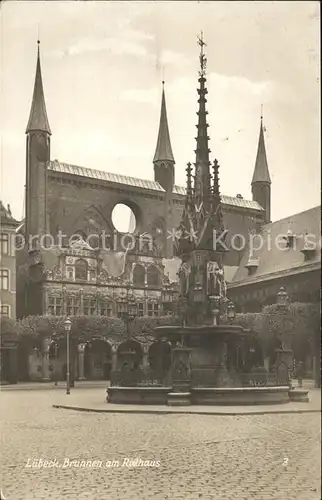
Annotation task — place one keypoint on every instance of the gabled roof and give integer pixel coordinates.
(163, 150)
(38, 119)
(274, 260)
(261, 172)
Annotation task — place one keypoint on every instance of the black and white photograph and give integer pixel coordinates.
(160, 230)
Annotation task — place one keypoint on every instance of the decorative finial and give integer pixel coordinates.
(163, 82)
(261, 112)
(202, 57)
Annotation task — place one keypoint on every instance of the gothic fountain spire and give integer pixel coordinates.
(202, 212)
(202, 175)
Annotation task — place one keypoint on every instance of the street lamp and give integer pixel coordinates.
(67, 326)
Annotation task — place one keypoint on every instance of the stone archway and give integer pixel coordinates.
(159, 356)
(129, 355)
(57, 354)
(97, 360)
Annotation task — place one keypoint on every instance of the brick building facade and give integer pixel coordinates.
(69, 199)
(8, 227)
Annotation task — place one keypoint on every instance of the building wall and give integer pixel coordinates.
(301, 287)
(8, 263)
(77, 204)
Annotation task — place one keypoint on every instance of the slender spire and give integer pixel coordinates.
(38, 119)
(163, 150)
(261, 172)
(202, 176)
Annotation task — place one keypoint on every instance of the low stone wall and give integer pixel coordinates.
(237, 396)
(240, 396)
(138, 395)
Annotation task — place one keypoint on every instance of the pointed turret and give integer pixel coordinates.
(38, 119)
(163, 158)
(38, 154)
(261, 172)
(261, 182)
(163, 150)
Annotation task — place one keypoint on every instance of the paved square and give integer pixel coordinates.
(201, 456)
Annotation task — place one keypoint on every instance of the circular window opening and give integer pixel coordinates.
(123, 218)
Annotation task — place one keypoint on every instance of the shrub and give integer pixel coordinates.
(296, 328)
(8, 327)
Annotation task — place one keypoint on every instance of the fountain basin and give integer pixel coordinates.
(169, 331)
(215, 396)
(239, 395)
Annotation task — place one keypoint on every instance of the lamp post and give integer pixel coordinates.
(67, 326)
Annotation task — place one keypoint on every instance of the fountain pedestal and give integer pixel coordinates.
(181, 376)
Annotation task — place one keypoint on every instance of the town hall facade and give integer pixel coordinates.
(78, 278)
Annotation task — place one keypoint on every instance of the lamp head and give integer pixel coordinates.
(67, 325)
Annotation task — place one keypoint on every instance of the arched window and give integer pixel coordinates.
(139, 275)
(153, 276)
(81, 270)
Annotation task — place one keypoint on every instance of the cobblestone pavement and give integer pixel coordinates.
(201, 457)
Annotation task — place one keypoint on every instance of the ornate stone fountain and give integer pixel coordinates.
(212, 360)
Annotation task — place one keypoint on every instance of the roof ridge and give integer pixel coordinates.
(316, 207)
(222, 195)
(55, 162)
(281, 272)
(242, 202)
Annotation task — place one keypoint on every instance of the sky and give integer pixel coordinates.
(102, 67)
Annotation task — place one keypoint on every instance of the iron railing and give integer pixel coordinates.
(200, 377)
(139, 377)
(211, 377)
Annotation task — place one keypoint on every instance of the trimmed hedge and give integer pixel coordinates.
(87, 327)
(296, 328)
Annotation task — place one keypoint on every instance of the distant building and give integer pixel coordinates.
(8, 227)
(286, 253)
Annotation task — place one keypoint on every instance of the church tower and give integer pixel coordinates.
(163, 158)
(38, 154)
(261, 182)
